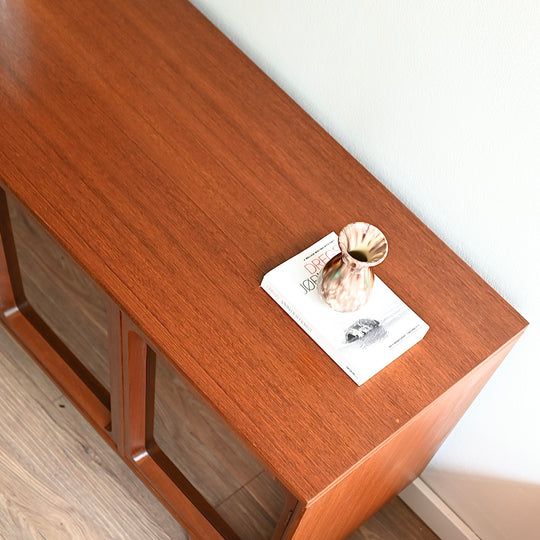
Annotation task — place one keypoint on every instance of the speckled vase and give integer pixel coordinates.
(346, 281)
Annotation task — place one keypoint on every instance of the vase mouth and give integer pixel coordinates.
(363, 244)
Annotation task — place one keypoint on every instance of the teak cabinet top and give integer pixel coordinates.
(177, 173)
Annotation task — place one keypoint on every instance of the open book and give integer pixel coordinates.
(361, 342)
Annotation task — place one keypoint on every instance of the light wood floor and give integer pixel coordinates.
(60, 480)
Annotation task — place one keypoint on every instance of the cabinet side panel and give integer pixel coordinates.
(342, 508)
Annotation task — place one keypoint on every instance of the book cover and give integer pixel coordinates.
(361, 342)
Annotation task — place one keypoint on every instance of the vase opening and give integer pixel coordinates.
(363, 243)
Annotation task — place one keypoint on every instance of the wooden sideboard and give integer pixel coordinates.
(176, 174)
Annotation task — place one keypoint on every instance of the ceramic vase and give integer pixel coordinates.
(346, 281)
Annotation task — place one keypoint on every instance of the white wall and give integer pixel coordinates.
(440, 100)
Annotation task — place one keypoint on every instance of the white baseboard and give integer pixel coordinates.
(435, 513)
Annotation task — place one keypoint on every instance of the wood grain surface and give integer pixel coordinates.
(60, 480)
(188, 432)
(398, 462)
(176, 173)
